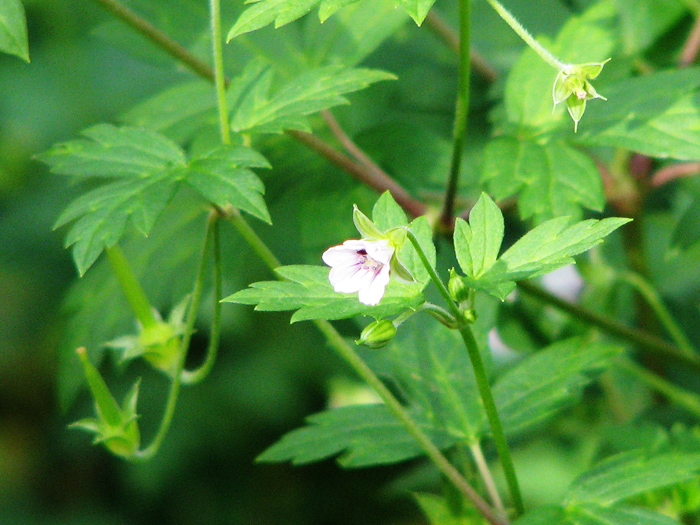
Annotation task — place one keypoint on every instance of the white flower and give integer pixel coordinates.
(360, 266)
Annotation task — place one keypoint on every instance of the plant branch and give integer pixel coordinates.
(644, 340)
(358, 170)
(447, 35)
(483, 467)
(461, 112)
(675, 171)
(482, 379)
(159, 38)
(373, 180)
(692, 45)
(173, 393)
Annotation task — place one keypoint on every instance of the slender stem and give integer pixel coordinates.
(651, 296)
(482, 379)
(131, 287)
(444, 32)
(156, 36)
(361, 173)
(461, 111)
(645, 341)
(527, 37)
(219, 74)
(691, 46)
(255, 242)
(189, 377)
(675, 171)
(151, 450)
(440, 461)
(684, 398)
(483, 467)
(358, 170)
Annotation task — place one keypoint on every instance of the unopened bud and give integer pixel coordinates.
(459, 291)
(377, 334)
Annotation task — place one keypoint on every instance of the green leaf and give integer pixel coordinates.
(308, 290)
(642, 22)
(657, 115)
(477, 243)
(525, 396)
(551, 179)
(429, 364)
(592, 514)
(631, 473)
(387, 214)
(313, 91)
(13, 29)
(549, 246)
(440, 510)
(329, 7)
(417, 9)
(144, 169)
(365, 434)
(223, 177)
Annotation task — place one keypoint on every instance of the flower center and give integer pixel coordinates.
(367, 262)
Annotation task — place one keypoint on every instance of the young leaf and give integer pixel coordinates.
(308, 290)
(631, 473)
(417, 9)
(549, 246)
(313, 91)
(552, 179)
(366, 435)
(477, 243)
(13, 29)
(525, 396)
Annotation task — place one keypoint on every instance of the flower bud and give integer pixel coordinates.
(377, 334)
(114, 426)
(459, 291)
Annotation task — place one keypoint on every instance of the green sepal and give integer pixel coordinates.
(365, 226)
(116, 427)
(377, 334)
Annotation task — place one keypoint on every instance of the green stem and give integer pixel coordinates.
(645, 341)
(255, 242)
(438, 459)
(196, 376)
(483, 467)
(131, 287)
(687, 400)
(461, 112)
(527, 37)
(482, 380)
(219, 74)
(173, 393)
(651, 296)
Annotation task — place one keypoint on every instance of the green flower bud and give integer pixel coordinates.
(377, 334)
(459, 291)
(572, 86)
(114, 426)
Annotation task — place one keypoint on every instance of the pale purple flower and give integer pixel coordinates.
(360, 266)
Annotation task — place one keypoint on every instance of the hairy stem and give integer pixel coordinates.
(461, 111)
(527, 37)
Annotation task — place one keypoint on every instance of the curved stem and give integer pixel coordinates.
(482, 379)
(651, 296)
(644, 340)
(151, 450)
(527, 37)
(461, 112)
(131, 287)
(190, 377)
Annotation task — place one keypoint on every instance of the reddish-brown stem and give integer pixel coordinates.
(692, 45)
(675, 171)
(378, 181)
